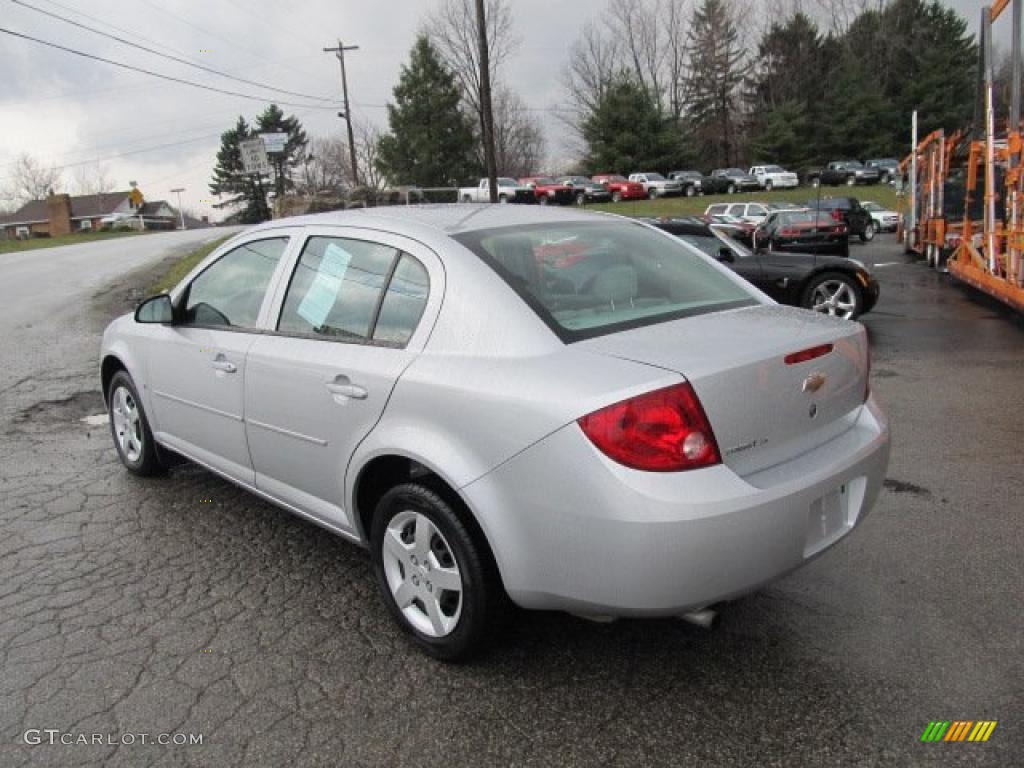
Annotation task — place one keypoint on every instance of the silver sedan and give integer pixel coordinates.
(573, 411)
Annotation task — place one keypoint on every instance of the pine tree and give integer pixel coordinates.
(229, 177)
(431, 139)
(626, 131)
(712, 85)
(284, 163)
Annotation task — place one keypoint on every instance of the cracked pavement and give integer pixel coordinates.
(184, 605)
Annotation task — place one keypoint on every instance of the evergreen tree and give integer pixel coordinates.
(229, 177)
(431, 139)
(284, 163)
(626, 131)
(712, 85)
(783, 136)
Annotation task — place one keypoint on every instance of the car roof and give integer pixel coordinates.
(439, 219)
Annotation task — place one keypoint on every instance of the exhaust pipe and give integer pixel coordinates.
(706, 618)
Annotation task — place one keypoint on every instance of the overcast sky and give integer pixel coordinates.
(68, 110)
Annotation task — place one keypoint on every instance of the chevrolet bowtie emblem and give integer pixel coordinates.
(814, 382)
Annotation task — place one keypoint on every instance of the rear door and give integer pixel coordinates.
(196, 367)
(352, 312)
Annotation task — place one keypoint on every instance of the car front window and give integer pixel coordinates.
(654, 177)
(507, 182)
(592, 278)
(230, 291)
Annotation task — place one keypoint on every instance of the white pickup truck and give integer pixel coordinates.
(509, 191)
(773, 176)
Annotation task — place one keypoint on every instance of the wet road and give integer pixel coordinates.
(181, 605)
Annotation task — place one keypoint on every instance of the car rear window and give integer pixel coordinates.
(588, 279)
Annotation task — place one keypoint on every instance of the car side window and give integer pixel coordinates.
(756, 210)
(737, 210)
(403, 303)
(355, 290)
(230, 291)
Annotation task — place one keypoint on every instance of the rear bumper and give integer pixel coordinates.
(572, 530)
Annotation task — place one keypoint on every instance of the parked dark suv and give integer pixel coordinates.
(848, 209)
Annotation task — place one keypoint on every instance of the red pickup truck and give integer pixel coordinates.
(621, 187)
(548, 191)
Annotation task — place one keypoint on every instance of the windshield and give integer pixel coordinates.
(853, 164)
(871, 206)
(576, 180)
(774, 169)
(587, 279)
(504, 181)
(688, 175)
(804, 218)
(713, 242)
(544, 181)
(614, 177)
(654, 177)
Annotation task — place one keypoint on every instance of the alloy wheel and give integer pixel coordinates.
(834, 297)
(124, 412)
(422, 574)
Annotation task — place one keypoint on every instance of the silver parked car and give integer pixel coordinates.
(576, 411)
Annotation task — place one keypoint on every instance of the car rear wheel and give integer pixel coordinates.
(436, 579)
(652, 193)
(836, 294)
(851, 180)
(581, 198)
(731, 189)
(502, 198)
(869, 232)
(691, 191)
(129, 427)
(616, 197)
(768, 185)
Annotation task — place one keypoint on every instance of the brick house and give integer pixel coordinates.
(63, 214)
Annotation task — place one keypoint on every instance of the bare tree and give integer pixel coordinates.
(327, 167)
(92, 179)
(30, 179)
(593, 63)
(452, 29)
(367, 140)
(518, 136)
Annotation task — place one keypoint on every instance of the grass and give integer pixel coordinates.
(36, 243)
(184, 265)
(884, 195)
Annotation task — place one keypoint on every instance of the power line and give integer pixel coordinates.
(157, 74)
(168, 56)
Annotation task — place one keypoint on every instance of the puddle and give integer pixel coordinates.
(75, 407)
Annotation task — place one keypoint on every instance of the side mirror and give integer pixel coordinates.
(725, 254)
(155, 309)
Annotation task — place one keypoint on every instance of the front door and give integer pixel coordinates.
(196, 367)
(346, 330)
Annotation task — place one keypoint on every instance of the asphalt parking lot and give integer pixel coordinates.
(181, 605)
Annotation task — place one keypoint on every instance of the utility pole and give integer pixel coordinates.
(347, 114)
(181, 213)
(485, 100)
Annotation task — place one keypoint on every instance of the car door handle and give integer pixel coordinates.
(221, 363)
(342, 385)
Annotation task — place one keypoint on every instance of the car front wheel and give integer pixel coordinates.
(851, 180)
(869, 232)
(834, 293)
(732, 189)
(691, 191)
(815, 183)
(129, 427)
(616, 197)
(768, 185)
(436, 579)
(581, 198)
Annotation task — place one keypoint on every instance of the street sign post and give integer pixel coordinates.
(274, 142)
(254, 156)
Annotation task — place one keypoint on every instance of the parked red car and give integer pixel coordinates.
(621, 187)
(548, 191)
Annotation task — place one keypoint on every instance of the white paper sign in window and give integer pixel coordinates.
(319, 300)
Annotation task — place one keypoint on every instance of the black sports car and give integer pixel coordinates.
(833, 285)
(803, 232)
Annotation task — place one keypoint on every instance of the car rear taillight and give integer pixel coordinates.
(661, 431)
(810, 353)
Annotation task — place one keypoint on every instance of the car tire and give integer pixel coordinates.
(581, 198)
(691, 191)
(768, 185)
(851, 181)
(129, 428)
(869, 232)
(543, 200)
(830, 290)
(731, 189)
(448, 624)
(815, 183)
(616, 197)
(467, 199)
(503, 199)
(652, 193)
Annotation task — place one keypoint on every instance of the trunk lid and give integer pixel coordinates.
(762, 410)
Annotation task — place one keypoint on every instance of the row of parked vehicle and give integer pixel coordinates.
(644, 185)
